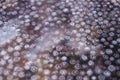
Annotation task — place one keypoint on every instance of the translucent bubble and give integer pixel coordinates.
(118, 61)
(78, 77)
(9, 77)
(35, 77)
(21, 74)
(53, 13)
(93, 77)
(111, 68)
(107, 62)
(84, 57)
(82, 72)
(112, 58)
(62, 78)
(85, 78)
(108, 51)
(63, 72)
(54, 77)
(116, 55)
(3, 52)
(72, 61)
(6, 72)
(10, 49)
(57, 66)
(111, 46)
(1, 22)
(101, 77)
(69, 77)
(109, 38)
(75, 72)
(118, 40)
(107, 73)
(90, 63)
(111, 34)
(2, 62)
(6, 57)
(89, 72)
(114, 42)
(103, 40)
(98, 70)
(64, 58)
(77, 66)
(64, 64)
(34, 68)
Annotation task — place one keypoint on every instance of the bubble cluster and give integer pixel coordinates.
(59, 40)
